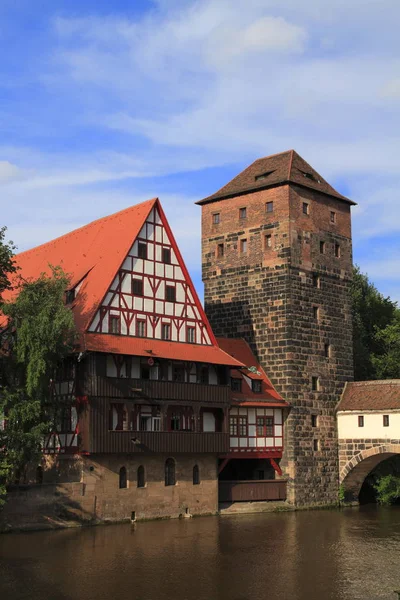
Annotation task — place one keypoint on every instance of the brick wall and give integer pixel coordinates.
(267, 296)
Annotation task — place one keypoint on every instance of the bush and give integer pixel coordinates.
(387, 489)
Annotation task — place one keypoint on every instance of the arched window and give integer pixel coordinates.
(196, 475)
(170, 471)
(141, 481)
(123, 482)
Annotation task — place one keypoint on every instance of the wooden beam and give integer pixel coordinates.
(276, 466)
(223, 464)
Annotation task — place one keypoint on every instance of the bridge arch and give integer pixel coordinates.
(356, 470)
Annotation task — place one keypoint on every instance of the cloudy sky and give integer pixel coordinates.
(104, 104)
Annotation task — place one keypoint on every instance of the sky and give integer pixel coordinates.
(105, 104)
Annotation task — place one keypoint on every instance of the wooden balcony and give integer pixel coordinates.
(131, 389)
(252, 490)
(165, 442)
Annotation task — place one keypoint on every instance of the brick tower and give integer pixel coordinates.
(277, 267)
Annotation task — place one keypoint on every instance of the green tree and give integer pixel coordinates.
(39, 336)
(387, 489)
(7, 265)
(372, 314)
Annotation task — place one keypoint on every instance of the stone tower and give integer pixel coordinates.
(277, 267)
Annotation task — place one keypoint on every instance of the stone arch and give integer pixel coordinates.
(354, 473)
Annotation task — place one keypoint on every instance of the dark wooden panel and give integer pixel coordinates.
(112, 387)
(250, 491)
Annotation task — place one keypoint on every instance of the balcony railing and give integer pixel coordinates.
(252, 490)
(113, 387)
(169, 442)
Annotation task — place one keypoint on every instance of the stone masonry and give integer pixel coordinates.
(288, 295)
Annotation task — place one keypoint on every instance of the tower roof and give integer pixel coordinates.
(271, 171)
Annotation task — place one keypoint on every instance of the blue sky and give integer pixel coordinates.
(104, 104)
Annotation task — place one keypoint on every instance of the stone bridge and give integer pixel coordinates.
(358, 457)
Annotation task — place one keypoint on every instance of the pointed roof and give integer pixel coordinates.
(240, 349)
(92, 256)
(271, 171)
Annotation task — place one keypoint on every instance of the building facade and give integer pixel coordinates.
(277, 268)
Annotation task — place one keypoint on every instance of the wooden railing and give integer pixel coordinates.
(113, 387)
(252, 490)
(169, 442)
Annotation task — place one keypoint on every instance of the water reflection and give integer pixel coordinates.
(318, 555)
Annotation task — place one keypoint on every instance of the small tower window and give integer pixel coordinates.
(165, 331)
(216, 218)
(327, 350)
(306, 208)
(114, 324)
(137, 287)
(170, 472)
(141, 479)
(170, 293)
(316, 279)
(243, 246)
(386, 420)
(337, 250)
(361, 420)
(142, 250)
(123, 481)
(316, 313)
(268, 241)
(315, 383)
(322, 247)
(243, 213)
(333, 216)
(269, 207)
(316, 445)
(314, 420)
(220, 250)
(166, 256)
(196, 475)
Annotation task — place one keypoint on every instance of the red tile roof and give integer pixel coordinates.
(277, 169)
(371, 395)
(123, 344)
(239, 349)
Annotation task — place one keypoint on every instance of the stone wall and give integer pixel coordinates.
(91, 492)
(268, 294)
(351, 448)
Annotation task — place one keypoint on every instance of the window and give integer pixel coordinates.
(236, 384)
(306, 208)
(316, 279)
(220, 250)
(123, 481)
(256, 386)
(137, 287)
(114, 324)
(165, 331)
(216, 218)
(242, 426)
(170, 471)
(141, 480)
(337, 250)
(269, 207)
(314, 421)
(166, 256)
(69, 296)
(242, 213)
(322, 247)
(333, 217)
(268, 241)
(144, 371)
(170, 293)
(140, 328)
(191, 335)
(386, 420)
(265, 426)
(243, 246)
(361, 421)
(316, 312)
(203, 375)
(316, 445)
(327, 350)
(142, 250)
(315, 383)
(233, 426)
(196, 475)
(178, 372)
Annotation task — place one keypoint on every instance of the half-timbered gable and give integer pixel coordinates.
(152, 295)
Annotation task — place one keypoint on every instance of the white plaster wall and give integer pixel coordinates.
(373, 425)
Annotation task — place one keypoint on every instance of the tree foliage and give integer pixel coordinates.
(39, 335)
(376, 329)
(7, 265)
(387, 489)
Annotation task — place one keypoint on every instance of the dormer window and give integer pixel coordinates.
(256, 386)
(263, 176)
(310, 176)
(69, 296)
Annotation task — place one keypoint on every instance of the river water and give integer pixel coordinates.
(315, 555)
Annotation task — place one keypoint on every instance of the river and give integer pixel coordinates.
(312, 555)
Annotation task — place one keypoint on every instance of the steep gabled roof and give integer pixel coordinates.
(91, 254)
(274, 170)
(371, 395)
(240, 350)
